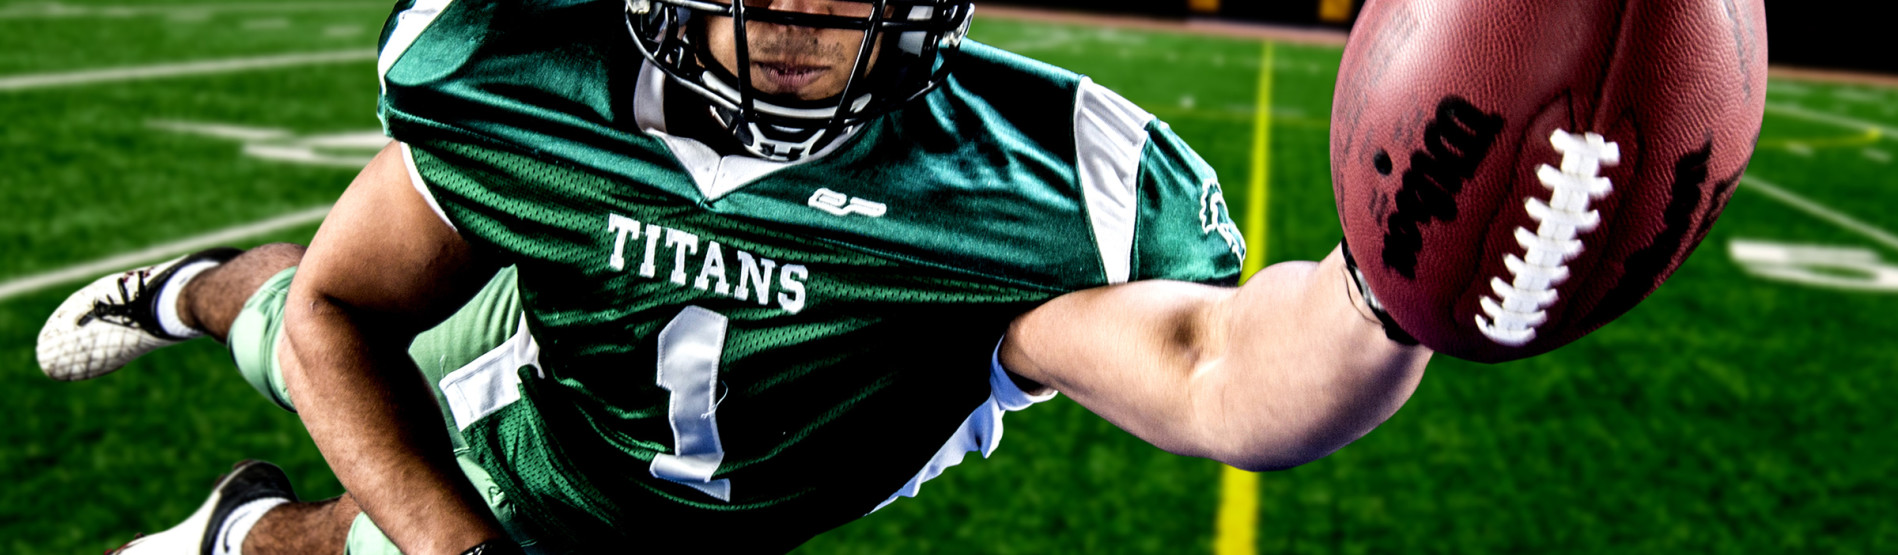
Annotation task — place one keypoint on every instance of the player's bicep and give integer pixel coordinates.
(1127, 352)
(385, 252)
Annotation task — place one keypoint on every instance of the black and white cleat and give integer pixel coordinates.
(113, 320)
(251, 486)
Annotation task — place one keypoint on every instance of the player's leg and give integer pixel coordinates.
(304, 527)
(123, 316)
(212, 301)
(485, 323)
(237, 298)
(254, 507)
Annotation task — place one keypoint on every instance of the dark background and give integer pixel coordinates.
(1848, 35)
(1833, 35)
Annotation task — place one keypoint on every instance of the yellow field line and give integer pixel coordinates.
(1237, 530)
(1261, 156)
(1870, 136)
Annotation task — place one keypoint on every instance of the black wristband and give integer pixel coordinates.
(495, 547)
(1391, 329)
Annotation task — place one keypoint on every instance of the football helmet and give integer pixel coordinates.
(919, 40)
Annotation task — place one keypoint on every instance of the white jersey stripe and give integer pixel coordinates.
(409, 25)
(981, 432)
(491, 382)
(415, 179)
(1109, 135)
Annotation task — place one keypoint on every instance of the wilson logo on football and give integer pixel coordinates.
(1518, 306)
(842, 205)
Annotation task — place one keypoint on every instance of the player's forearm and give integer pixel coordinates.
(1306, 370)
(373, 418)
(1271, 375)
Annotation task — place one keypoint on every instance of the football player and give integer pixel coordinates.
(708, 275)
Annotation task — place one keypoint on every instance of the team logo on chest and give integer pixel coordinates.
(754, 279)
(842, 205)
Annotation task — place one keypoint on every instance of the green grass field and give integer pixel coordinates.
(1741, 409)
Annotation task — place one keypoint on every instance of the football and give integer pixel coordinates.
(1513, 174)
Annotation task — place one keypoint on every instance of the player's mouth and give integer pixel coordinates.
(789, 77)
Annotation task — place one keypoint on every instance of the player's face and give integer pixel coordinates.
(803, 62)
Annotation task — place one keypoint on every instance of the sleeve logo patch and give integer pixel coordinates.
(1213, 217)
(839, 204)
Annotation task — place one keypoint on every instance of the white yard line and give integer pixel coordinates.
(228, 65)
(15, 287)
(1835, 119)
(57, 10)
(1819, 211)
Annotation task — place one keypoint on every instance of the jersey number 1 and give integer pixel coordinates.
(690, 347)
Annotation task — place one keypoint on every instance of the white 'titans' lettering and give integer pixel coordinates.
(792, 299)
(714, 267)
(677, 239)
(620, 226)
(749, 273)
(647, 268)
(754, 272)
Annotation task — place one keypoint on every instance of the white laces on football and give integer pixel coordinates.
(1544, 264)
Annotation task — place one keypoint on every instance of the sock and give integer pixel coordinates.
(237, 526)
(168, 298)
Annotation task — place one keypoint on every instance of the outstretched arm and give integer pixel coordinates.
(381, 269)
(1271, 375)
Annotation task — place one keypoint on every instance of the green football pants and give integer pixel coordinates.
(484, 323)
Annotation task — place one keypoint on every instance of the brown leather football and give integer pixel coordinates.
(1512, 174)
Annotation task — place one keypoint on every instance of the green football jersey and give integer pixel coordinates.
(732, 352)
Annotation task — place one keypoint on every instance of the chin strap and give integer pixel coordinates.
(1391, 329)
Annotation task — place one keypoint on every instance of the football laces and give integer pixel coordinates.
(1518, 305)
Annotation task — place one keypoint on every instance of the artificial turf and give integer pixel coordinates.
(1728, 413)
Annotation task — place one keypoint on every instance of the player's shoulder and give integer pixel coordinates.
(1152, 205)
(1009, 79)
(499, 69)
(442, 36)
(1011, 97)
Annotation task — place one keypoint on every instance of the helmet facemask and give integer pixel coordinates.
(917, 39)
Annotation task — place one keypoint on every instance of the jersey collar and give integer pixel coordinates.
(715, 175)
